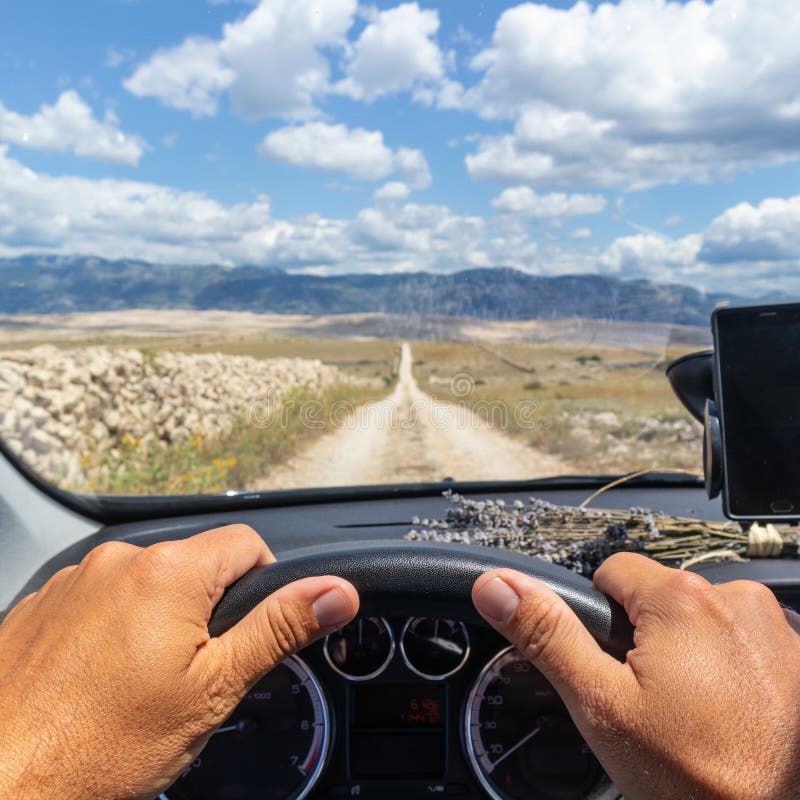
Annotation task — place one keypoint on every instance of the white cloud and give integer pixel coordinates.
(768, 232)
(396, 52)
(70, 126)
(275, 61)
(592, 153)
(652, 255)
(413, 166)
(638, 93)
(356, 152)
(749, 248)
(276, 54)
(190, 77)
(557, 205)
(271, 62)
(581, 233)
(394, 190)
(115, 219)
(746, 247)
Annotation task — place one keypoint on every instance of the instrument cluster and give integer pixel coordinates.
(399, 708)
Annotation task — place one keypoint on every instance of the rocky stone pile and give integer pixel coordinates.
(608, 442)
(58, 406)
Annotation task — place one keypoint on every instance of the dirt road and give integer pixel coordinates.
(410, 437)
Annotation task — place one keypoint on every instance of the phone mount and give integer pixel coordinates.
(692, 379)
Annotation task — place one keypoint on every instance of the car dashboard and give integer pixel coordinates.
(401, 707)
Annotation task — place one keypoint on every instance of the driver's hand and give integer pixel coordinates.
(109, 682)
(707, 704)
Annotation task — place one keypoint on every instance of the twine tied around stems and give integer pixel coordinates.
(764, 541)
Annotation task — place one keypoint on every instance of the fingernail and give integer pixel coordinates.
(497, 601)
(333, 609)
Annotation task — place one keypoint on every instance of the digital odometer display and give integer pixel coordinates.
(397, 731)
(521, 741)
(273, 747)
(397, 707)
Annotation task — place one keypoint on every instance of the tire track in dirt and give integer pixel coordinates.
(410, 437)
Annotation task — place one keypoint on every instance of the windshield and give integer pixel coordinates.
(303, 243)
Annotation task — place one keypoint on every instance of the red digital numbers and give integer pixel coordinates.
(421, 711)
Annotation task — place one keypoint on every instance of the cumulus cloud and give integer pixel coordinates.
(114, 218)
(651, 255)
(755, 246)
(394, 190)
(557, 205)
(271, 62)
(413, 166)
(275, 61)
(130, 218)
(356, 152)
(768, 232)
(637, 93)
(190, 77)
(396, 52)
(70, 126)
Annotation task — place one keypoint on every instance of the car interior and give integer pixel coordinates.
(415, 290)
(387, 707)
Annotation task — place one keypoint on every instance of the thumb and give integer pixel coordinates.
(547, 632)
(285, 622)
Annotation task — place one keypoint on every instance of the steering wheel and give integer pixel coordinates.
(421, 579)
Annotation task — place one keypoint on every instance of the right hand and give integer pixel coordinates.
(707, 704)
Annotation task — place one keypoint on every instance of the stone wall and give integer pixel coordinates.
(57, 406)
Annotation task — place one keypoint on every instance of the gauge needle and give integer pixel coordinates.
(516, 747)
(244, 725)
(228, 729)
(446, 644)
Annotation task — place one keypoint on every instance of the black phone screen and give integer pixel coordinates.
(758, 389)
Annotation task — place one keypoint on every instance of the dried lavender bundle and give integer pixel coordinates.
(582, 538)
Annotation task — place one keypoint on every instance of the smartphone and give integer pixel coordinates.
(757, 388)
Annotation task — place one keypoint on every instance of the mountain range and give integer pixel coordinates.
(59, 285)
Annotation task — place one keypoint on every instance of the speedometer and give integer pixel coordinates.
(520, 740)
(273, 747)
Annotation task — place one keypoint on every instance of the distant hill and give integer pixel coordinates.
(59, 285)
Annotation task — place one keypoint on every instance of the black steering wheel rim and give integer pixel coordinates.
(423, 579)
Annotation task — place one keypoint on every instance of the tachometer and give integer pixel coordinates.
(361, 650)
(520, 739)
(273, 747)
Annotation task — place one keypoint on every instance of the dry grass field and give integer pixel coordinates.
(602, 409)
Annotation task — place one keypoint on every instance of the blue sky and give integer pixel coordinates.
(642, 138)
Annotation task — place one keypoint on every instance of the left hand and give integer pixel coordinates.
(110, 684)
